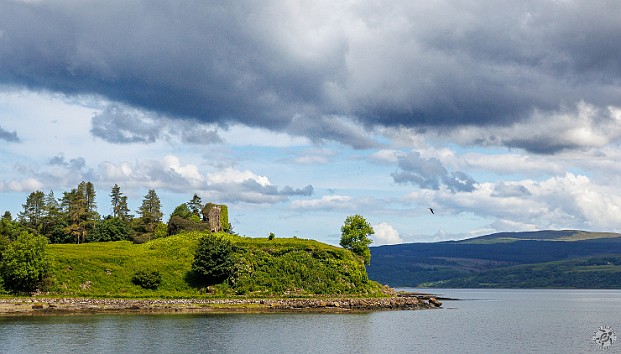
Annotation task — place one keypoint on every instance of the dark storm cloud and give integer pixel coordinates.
(292, 67)
(7, 136)
(430, 174)
(118, 126)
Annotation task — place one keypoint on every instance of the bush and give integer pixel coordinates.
(147, 279)
(213, 260)
(24, 264)
(178, 224)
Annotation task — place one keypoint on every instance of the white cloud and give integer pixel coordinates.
(387, 155)
(325, 202)
(27, 185)
(230, 175)
(385, 234)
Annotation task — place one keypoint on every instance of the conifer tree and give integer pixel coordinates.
(34, 210)
(150, 213)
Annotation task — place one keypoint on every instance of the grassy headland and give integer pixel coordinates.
(263, 268)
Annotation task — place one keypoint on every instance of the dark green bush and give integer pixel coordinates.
(24, 263)
(213, 260)
(147, 279)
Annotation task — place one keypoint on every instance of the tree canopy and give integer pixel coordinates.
(355, 236)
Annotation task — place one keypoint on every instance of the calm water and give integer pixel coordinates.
(484, 321)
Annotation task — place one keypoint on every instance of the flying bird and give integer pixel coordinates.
(431, 210)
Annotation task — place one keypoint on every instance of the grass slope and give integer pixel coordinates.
(263, 267)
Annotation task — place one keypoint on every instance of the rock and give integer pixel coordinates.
(433, 301)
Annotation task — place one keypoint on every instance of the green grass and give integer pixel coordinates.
(279, 267)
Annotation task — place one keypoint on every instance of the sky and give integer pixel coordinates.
(499, 115)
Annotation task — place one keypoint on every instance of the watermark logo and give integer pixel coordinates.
(604, 337)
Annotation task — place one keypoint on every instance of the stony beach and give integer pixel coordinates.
(45, 306)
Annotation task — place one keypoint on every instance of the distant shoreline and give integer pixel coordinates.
(59, 306)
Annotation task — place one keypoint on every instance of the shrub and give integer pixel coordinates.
(24, 263)
(213, 260)
(271, 236)
(147, 279)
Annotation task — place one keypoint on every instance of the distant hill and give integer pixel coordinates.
(510, 259)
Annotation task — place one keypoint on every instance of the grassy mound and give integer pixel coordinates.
(262, 268)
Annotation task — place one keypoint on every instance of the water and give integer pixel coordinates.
(483, 321)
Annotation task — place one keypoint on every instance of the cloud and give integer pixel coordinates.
(561, 202)
(327, 202)
(314, 156)
(10, 137)
(169, 173)
(430, 174)
(385, 234)
(27, 185)
(387, 155)
(584, 126)
(326, 70)
(124, 125)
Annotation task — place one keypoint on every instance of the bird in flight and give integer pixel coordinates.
(431, 210)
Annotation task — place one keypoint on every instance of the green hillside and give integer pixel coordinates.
(510, 259)
(544, 235)
(282, 266)
(583, 273)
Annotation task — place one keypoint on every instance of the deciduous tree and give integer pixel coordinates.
(355, 236)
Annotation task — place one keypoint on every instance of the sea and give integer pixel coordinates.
(476, 321)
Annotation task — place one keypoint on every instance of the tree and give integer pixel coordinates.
(213, 260)
(34, 210)
(110, 229)
(79, 207)
(150, 213)
(119, 204)
(54, 221)
(184, 219)
(9, 228)
(355, 236)
(24, 263)
(115, 200)
(196, 205)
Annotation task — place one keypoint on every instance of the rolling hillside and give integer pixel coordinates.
(502, 260)
(282, 266)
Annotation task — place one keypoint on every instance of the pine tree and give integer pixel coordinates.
(150, 213)
(34, 210)
(80, 208)
(115, 200)
(119, 204)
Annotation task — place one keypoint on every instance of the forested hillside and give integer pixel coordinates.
(502, 260)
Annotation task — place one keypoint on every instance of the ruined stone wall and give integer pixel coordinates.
(213, 218)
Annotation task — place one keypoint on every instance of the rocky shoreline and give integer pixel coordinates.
(44, 306)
